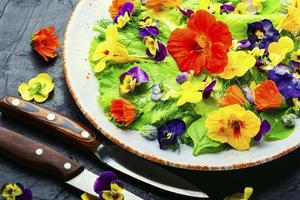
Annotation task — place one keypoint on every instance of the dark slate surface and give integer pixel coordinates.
(18, 20)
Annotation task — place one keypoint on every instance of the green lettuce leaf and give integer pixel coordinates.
(202, 143)
(206, 106)
(271, 7)
(278, 131)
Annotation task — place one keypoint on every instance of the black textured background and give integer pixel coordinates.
(19, 19)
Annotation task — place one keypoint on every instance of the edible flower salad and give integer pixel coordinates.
(210, 74)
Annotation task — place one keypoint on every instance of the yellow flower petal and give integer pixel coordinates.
(47, 83)
(241, 143)
(278, 50)
(151, 44)
(189, 98)
(100, 66)
(239, 62)
(24, 90)
(240, 196)
(291, 23)
(128, 85)
(111, 33)
(257, 52)
(248, 192)
(124, 59)
(40, 98)
(102, 51)
(85, 196)
(116, 188)
(121, 50)
(190, 93)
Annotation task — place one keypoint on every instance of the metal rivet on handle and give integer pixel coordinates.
(67, 166)
(85, 134)
(15, 102)
(39, 152)
(51, 117)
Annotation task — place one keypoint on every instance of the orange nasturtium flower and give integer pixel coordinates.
(204, 43)
(159, 5)
(116, 5)
(45, 42)
(122, 111)
(233, 95)
(233, 125)
(267, 96)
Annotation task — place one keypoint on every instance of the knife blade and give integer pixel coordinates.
(108, 153)
(41, 157)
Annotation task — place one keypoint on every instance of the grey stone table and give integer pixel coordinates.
(279, 179)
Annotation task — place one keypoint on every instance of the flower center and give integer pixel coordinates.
(106, 52)
(296, 72)
(259, 34)
(168, 135)
(203, 43)
(236, 126)
(10, 191)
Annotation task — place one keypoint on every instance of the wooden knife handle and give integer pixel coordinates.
(37, 155)
(51, 122)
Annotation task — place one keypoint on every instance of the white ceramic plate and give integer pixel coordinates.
(84, 89)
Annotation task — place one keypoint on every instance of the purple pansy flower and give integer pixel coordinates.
(265, 127)
(161, 53)
(148, 31)
(9, 189)
(148, 27)
(126, 8)
(225, 8)
(169, 132)
(107, 184)
(287, 79)
(136, 73)
(186, 13)
(208, 89)
(260, 34)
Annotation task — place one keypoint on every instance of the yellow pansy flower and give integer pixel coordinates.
(291, 22)
(111, 50)
(123, 20)
(38, 88)
(128, 85)
(191, 93)
(147, 21)
(151, 44)
(207, 5)
(233, 125)
(278, 50)
(241, 196)
(11, 191)
(296, 55)
(239, 62)
(115, 193)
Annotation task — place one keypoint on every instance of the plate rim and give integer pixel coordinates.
(145, 155)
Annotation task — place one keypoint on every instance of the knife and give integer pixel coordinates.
(41, 157)
(108, 153)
